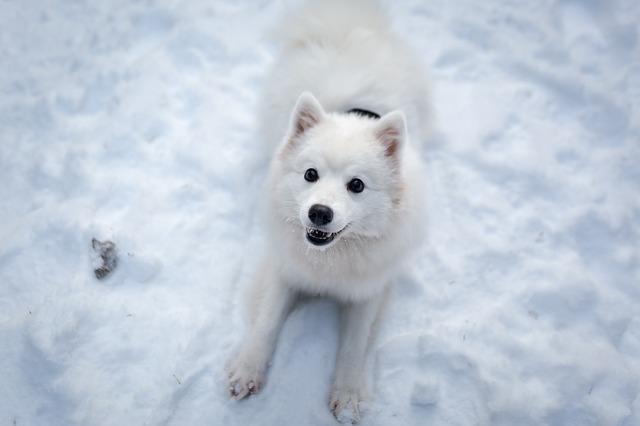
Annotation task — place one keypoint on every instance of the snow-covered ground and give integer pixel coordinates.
(134, 121)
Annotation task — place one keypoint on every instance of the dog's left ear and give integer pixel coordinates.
(391, 131)
(307, 113)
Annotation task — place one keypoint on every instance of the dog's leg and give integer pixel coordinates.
(246, 371)
(357, 320)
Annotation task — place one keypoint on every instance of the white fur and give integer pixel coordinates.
(334, 57)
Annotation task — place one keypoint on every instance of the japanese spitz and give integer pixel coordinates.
(344, 193)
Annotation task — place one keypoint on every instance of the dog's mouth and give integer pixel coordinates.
(321, 238)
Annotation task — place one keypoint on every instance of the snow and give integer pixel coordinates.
(135, 122)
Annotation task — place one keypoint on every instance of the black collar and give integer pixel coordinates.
(364, 113)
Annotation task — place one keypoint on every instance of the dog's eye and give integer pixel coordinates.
(355, 185)
(311, 175)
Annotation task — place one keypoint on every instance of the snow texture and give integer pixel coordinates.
(134, 122)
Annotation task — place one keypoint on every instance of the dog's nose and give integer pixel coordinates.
(320, 215)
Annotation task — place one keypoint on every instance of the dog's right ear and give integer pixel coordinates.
(391, 132)
(307, 113)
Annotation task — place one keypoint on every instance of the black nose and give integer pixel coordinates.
(320, 215)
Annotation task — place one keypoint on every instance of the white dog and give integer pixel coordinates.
(345, 186)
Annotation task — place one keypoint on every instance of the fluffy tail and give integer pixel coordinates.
(328, 22)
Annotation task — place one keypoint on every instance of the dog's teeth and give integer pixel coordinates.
(321, 235)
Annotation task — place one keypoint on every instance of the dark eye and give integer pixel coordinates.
(355, 185)
(311, 175)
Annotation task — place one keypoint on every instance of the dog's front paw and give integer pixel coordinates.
(246, 377)
(344, 404)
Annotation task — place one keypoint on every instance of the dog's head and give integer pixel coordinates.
(339, 174)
